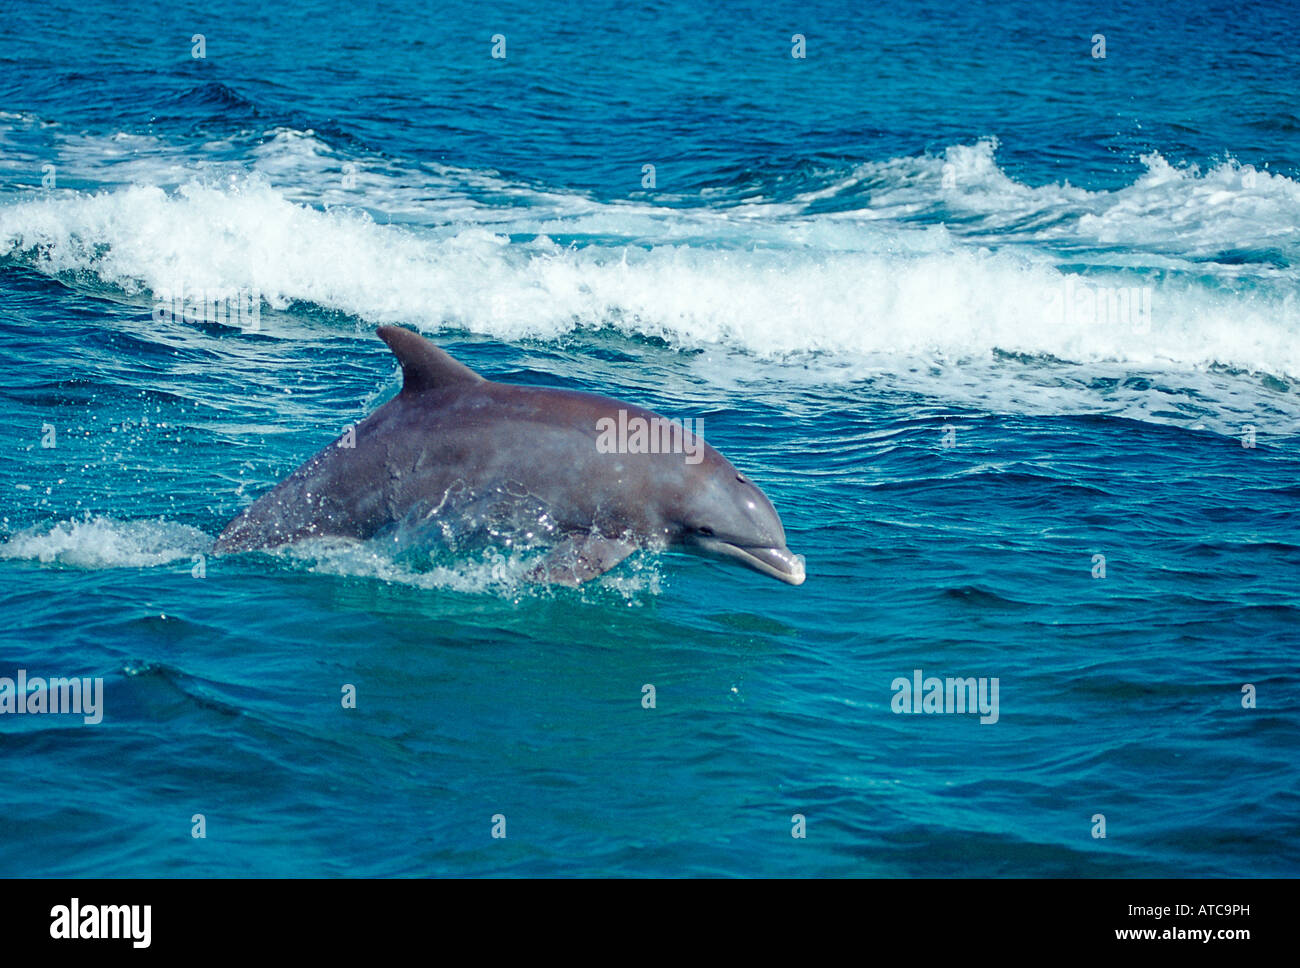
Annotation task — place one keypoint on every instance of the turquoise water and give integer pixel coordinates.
(972, 306)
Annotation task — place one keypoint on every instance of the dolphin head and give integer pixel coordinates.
(723, 514)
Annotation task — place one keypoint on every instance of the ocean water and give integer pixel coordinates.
(972, 305)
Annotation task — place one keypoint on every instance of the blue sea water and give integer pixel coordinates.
(971, 304)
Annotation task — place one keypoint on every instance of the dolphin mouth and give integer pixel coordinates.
(779, 563)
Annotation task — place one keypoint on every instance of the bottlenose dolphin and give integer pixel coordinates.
(450, 431)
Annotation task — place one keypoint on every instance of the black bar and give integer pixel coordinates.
(919, 916)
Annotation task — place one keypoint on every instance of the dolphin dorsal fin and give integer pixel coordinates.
(424, 366)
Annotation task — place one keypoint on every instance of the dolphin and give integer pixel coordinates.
(449, 431)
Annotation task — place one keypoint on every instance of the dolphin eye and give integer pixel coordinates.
(741, 478)
(706, 531)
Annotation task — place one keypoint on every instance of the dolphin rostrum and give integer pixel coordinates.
(450, 433)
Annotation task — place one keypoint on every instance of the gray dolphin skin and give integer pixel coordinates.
(450, 431)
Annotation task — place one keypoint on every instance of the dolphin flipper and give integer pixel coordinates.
(580, 558)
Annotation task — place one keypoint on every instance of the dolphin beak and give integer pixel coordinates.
(779, 563)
